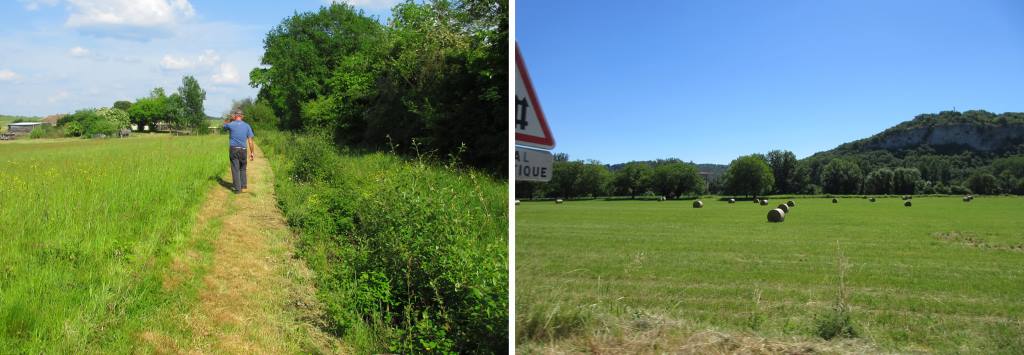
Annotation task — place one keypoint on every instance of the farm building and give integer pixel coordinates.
(23, 127)
(52, 119)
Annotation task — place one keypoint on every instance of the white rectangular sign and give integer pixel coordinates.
(533, 165)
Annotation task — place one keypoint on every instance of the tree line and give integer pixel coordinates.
(780, 172)
(433, 79)
(182, 109)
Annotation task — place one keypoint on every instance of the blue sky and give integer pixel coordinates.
(57, 56)
(707, 81)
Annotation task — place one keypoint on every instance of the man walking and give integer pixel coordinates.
(241, 142)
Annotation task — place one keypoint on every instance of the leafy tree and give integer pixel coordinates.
(1014, 166)
(983, 183)
(564, 178)
(749, 175)
(633, 179)
(436, 74)
(841, 176)
(258, 113)
(783, 164)
(122, 105)
(879, 182)
(191, 100)
(675, 179)
(593, 180)
(905, 179)
(147, 111)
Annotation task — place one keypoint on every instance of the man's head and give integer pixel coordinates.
(237, 115)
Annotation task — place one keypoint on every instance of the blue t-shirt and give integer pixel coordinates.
(239, 132)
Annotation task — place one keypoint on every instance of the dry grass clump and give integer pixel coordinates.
(776, 215)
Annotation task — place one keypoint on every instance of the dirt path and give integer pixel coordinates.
(255, 297)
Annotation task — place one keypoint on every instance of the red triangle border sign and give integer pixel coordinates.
(548, 141)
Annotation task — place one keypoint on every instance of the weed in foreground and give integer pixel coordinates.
(836, 322)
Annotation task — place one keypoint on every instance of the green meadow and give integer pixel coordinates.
(88, 229)
(940, 276)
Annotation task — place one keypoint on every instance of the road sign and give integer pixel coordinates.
(533, 165)
(531, 127)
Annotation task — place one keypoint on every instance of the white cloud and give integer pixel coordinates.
(129, 13)
(228, 74)
(78, 52)
(60, 95)
(33, 5)
(171, 63)
(368, 4)
(208, 58)
(7, 75)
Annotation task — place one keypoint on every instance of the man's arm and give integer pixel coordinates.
(252, 152)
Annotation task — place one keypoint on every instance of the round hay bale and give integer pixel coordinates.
(791, 204)
(776, 215)
(661, 198)
(517, 202)
(698, 204)
(907, 204)
(558, 201)
(784, 207)
(764, 202)
(871, 199)
(835, 201)
(967, 199)
(732, 200)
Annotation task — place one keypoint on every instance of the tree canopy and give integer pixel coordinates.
(749, 175)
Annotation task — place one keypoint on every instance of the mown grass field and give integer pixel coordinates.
(941, 276)
(88, 229)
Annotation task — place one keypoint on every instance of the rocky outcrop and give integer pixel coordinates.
(984, 138)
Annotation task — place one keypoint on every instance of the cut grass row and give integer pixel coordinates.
(584, 265)
(89, 227)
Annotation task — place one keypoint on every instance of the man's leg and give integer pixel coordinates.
(243, 163)
(235, 178)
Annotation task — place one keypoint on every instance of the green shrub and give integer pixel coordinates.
(415, 251)
(37, 132)
(73, 129)
(835, 323)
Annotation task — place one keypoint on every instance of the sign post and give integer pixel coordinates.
(531, 130)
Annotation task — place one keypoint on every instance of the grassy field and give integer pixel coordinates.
(89, 227)
(942, 276)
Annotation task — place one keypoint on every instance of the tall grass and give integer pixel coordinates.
(87, 229)
(410, 256)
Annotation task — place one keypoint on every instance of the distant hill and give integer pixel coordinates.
(946, 147)
(948, 132)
